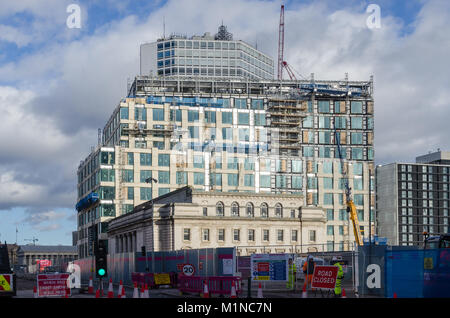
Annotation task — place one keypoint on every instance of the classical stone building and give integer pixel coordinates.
(189, 219)
(59, 255)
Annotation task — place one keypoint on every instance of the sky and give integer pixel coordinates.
(58, 85)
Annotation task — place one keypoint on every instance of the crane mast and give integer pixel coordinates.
(281, 44)
(351, 209)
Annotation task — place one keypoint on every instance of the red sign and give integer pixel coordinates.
(52, 284)
(324, 277)
(43, 263)
(263, 267)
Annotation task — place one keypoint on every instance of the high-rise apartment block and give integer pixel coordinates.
(240, 135)
(413, 198)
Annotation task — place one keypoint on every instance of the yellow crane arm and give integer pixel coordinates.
(354, 217)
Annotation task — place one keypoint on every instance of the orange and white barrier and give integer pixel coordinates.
(260, 292)
(304, 293)
(135, 291)
(146, 295)
(35, 292)
(97, 293)
(119, 293)
(205, 290)
(233, 290)
(343, 293)
(91, 286)
(110, 289)
(123, 293)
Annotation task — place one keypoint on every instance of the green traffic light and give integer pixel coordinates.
(101, 272)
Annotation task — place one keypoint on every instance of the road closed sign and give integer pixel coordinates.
(52, 284)
(324, 277)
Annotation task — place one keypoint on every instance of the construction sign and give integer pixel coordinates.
(162, 279)
(6, 282)
(324, 277)
(269, 267)
(49, 285)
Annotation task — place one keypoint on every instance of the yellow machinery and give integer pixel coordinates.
(351, 209)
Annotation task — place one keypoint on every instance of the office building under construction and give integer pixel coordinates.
(234, 134)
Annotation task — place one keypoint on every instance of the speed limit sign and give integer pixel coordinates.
(188, 269)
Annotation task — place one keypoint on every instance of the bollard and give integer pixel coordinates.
(249, 288)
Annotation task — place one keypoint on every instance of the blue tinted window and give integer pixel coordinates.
(158, 114)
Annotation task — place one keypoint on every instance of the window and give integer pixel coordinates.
(297, 182)
(199, 178)
(187, 234)
(221, 235)
(236, 235)
(107, 193)
(264, 181)
(294, 235)
(328, 183)
(227, 117)
(240, 103)
(219, 209)
(198, 162)
(356, 107)
(233, 179)
(181, 177)
(140, 113)
(163, 160)
(123, 112)
(162, 191)
(243, 118)
(210, 117)
(257, 104)
(107, 175)
(264, 210)
(227, 133)
(296, 165)
(130, 193)
(280, 235)
(266, 235)
(158, 114)
(312, 236)
(146, 194)
(145, 159)
(280, 181)
(324, 106)
(234, 209)
(205, 235)
(128, 175)
(193, 116)
(142, 144)
(357, 122)
(357, 138)
(130, 158)
(249, 180)
(330, 214)
(279, 210)
(244, 134)
(328, 198)
(330, 230)
(251, 235)
(260, 119)
(250, 210)
(164, 177)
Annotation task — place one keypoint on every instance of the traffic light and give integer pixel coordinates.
(101, 261)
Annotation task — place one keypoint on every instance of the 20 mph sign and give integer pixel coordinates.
(188, 269)
(324, 277)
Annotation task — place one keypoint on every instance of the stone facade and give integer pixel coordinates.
(186, 219)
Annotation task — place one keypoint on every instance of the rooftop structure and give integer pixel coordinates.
(206, 55)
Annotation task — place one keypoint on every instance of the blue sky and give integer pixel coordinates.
(59, 85)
